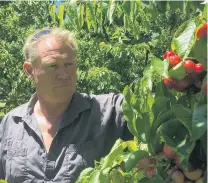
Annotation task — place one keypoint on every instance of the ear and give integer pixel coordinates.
(27, 66)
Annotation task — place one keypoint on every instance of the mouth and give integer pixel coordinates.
(61, 86)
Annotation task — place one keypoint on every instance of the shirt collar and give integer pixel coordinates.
(79, 103)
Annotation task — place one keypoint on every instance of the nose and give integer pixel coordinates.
(62, 74)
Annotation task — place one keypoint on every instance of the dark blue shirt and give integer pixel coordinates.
(90, 127)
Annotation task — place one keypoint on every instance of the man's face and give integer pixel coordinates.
(54, 74)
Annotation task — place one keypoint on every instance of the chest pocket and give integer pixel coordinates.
(16, 170)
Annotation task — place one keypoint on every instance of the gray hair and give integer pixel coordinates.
(30, 49)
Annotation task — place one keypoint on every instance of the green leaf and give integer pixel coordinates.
(116, 176)
(132, 146)
(52, 8)
(126, 6)
(199, 122)
(178, 72)
(173, 132)
(174, 5)
(142, 123)
(90, 16)
(154, 179)
(134, 158)
(94, 178)
(184, 115)
(176, 136)
(183, 40)
(111, 10)
(85, 174)
(117, 149)
(204, 14)
(61, 14)
(3, 181)
(128, 111)
(200, 51)
(80, 13)
(160, 66)
(104, 177)
(161, 104)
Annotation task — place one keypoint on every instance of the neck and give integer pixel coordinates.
(51, 111)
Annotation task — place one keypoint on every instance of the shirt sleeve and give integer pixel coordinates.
(117, 102)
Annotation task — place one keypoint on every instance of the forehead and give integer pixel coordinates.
(51, 46)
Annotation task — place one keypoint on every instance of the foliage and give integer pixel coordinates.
(159, 117)
(18, 19)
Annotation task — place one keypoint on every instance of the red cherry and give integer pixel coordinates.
(151, 172)
(144, 164)
(189, 66)
(174, 60)
(169, 83)
(181, 85)
(169, 153)
(168, 54)
(202, 31)
(199, 68)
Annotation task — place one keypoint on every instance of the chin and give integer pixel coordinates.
(63, 97)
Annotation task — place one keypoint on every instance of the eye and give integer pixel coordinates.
(52, 66)
(68, 64)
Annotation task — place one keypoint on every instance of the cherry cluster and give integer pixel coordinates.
(194, 73)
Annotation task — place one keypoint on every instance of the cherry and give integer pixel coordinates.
(181, 85)
(168, 54)
(189, 66)
(199, 68)
(169, 83)
(169, 153)
(174, 60)
(202, 31)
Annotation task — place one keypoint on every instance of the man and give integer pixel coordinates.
(59, 132)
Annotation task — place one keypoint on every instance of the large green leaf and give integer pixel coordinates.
(199, 122)
(184, 38)
(117, 149)
(184, 115)
(161, 67)
(128, 111)
(161, 105)
(142, 123)
(200, 51)
(176, 136)
(134, 158)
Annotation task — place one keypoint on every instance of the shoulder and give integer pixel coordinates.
(111, 98)
(104, 101)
